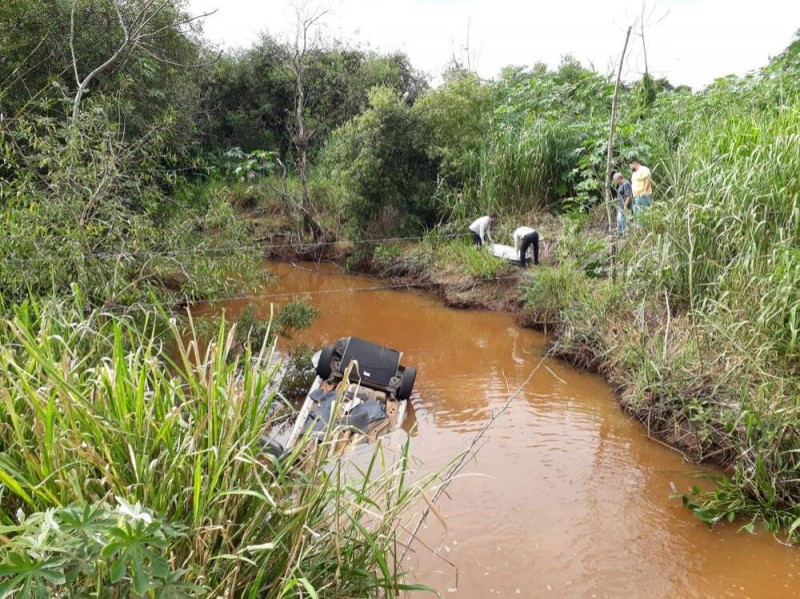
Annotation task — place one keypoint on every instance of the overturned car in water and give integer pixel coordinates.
(361, 389)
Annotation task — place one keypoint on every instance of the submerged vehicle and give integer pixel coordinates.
(361, 386)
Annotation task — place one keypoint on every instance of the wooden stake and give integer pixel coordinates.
(612, 128)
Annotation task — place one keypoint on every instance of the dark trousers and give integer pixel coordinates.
(531, 239)
(476, 239)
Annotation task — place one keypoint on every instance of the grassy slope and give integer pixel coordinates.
(687, 385)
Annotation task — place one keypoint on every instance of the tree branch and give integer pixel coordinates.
(72, 42)
(134, 37)
(82, 85)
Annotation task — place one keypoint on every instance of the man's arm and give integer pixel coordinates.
(649, 185)
(647, 181)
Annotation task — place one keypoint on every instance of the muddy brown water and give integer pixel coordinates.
(567, 496)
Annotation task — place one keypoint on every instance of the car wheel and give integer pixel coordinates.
(272, 447)
(407, 383)
(324, 363)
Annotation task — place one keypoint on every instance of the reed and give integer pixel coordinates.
(524, 170)
(701, 334)
(96, 411)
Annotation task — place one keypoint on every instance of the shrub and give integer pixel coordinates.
(82, 206)
(381, 158)
(118, 550)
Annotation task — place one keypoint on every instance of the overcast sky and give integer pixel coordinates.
(689, 41)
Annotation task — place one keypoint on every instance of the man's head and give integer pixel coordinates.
(618, 178)
(635, 164)
(493, 217)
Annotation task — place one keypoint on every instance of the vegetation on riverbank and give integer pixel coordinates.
(140, 169)
(694, 316)
(132, 460)
(128, 469)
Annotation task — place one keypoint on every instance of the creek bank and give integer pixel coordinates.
(509, 291)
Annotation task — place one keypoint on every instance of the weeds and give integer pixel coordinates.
(473, 261)
(700, 335)
(94, 409)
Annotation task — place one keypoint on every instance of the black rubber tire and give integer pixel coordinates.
(324, 364)
(407, 383)
(272, 447)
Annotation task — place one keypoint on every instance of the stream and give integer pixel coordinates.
(567, 496)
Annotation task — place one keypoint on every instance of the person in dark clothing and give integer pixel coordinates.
(524, 238)
(624, 201)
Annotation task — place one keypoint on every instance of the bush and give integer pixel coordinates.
(381, 159)
(81, 206)
(120, 550)
(554, 290)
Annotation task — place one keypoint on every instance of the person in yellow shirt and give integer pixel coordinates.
(642, 186)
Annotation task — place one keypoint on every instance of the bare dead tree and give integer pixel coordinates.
(646, 19)
(613, 126)
(466, 59)
(137, 30)
(642, 21)
(307, 20)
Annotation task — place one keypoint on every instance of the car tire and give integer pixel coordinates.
(407, 383)
(324, 363)
(272, 447)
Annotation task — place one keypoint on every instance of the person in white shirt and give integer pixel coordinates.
(524, 238)
(481, 229)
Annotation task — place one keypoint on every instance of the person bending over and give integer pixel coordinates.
(481, 229)
(524, 238)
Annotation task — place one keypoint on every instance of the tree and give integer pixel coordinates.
(382, 159)
(41, 42)
(139, 25)
(458, 118)
(306, 21)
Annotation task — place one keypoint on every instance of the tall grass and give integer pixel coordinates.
(725, 248)
(525, 170)
(94, 410)
(702, 333)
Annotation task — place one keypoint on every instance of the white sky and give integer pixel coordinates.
(689, 41)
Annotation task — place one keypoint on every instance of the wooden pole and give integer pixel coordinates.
(612, 128)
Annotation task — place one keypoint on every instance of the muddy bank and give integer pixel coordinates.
(456, 290)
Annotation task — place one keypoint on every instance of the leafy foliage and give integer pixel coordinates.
(381, 157)
(84, 206)
(95, 407)
(249, 95)
(151, 85)
(119, 550)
